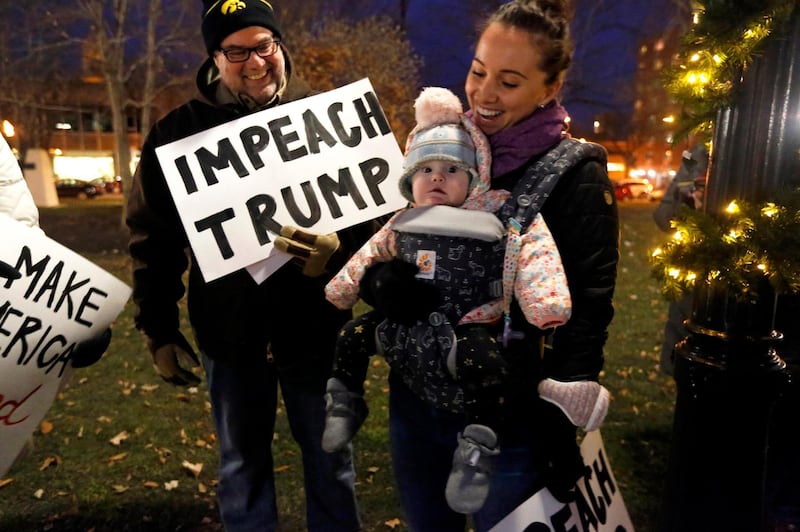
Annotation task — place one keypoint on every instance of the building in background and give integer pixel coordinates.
(64, 132)
(654, 156)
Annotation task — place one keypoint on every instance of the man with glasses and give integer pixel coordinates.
(241, 55)
(253, 337)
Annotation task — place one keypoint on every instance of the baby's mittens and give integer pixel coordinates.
(585, 403)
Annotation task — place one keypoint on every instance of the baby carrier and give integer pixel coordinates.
(418, 354)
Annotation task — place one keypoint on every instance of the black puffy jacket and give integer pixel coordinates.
(581, 213)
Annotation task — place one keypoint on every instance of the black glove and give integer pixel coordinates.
(391, 289)
(89, 351)
(8, 271)
(565, 463)
(167, 356)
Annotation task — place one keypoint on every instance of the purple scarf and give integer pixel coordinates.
(514, 146)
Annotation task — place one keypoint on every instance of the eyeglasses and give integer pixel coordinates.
(240, 55)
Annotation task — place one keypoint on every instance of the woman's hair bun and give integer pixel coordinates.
(555, 8)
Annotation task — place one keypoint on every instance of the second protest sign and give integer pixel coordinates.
(322, 163)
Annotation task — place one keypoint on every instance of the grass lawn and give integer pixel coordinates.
(122, 450)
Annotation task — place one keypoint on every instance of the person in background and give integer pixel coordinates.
(686, 190)
(17, 203)
(254, 338)
(517, 70)
(452, 240)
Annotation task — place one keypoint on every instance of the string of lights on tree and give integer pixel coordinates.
(724, 38)
(747, 244)
(744, 246)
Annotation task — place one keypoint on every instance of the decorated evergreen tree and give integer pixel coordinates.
(740, 258)
(734, 84)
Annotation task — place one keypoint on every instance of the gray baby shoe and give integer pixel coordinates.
(468, 484)
(345, 412)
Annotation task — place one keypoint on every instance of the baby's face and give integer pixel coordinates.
(439, 183)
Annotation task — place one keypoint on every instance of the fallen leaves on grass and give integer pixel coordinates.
(392, 523)
(194, 469)
(163, 453)
(117, 458)
(45, 427)
(119, 488)
(119, 438)
(49, 461)
(38, 493)
(5, 482)
(372, 470)
(625, 373)
(127, 387)
(171, 485)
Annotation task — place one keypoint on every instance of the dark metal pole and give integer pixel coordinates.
(730, 370)
(756, 139)
(729, 376)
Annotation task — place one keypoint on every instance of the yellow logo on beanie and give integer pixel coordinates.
(231, 6)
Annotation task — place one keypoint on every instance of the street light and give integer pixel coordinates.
(8, 129)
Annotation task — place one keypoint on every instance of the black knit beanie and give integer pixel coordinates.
(223, 17)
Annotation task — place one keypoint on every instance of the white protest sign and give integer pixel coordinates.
(322, 163)
(60, 300)
(598, 507)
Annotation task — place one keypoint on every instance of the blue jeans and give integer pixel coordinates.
(244, 400)
(423, 440)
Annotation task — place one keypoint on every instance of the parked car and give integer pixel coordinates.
(68, 187)
(111, 185)
(657, 194)
(632, 189)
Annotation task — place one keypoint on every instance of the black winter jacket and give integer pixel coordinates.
(232, 317)
(581, 213)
